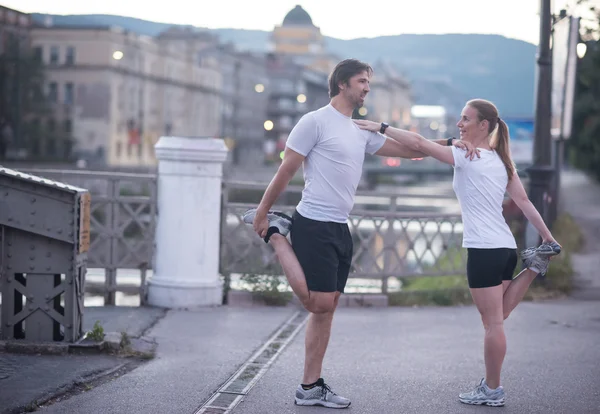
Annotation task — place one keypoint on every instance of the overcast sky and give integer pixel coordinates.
(344, 19)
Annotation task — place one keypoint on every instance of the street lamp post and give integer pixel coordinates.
(542, 170)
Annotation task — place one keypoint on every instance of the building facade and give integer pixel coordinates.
(245, 93)
(294, 90)
(390, 99)
(118, 92)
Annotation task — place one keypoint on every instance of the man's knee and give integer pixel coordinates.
(321, 303)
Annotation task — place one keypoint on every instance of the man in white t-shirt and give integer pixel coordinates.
(331, 148)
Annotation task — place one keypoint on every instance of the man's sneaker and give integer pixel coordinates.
(278, 222)
(321, 395)
(484, 395)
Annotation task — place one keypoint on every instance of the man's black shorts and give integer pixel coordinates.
(324, 250)
(489, 267)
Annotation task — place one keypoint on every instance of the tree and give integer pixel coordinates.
(584, 147)
(26, 115)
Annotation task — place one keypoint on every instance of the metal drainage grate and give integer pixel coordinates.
(212, 410)
(230, 394)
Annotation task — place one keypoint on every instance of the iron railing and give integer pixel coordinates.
(388, 241)
(394, 235)
(122, 225)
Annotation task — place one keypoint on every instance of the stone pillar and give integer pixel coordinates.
(188, 228)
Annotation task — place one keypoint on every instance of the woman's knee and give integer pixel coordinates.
(493, 325)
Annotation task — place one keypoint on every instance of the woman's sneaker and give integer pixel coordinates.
(537, 263)
(538, 258)
(484, 395)
(278, 222)
(544, 249)
(320, 395)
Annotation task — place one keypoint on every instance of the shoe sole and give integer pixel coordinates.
(275, 213)
(320, 403)
(486, 402)
(547, 253)
(282, 215)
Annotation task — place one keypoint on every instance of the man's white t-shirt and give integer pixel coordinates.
(334, 147)
(480, 185)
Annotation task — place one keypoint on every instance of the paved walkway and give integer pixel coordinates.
(580, 197)
(388, 360)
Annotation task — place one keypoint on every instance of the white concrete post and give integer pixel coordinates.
(188, 228)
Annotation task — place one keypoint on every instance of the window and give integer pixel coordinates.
(69, 93)
(53, 92)
(51, 146)
(36, 92)
(70, 56)
(54, 55)
(68, 126)
(38, 54)
(35, 147)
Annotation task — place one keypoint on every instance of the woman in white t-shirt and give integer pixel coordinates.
(480, 185)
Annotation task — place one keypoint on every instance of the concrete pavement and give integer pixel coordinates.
(404, 360)
(25, 379)
(388, 360)
(198, 350)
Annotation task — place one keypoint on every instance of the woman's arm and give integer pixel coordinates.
(412, 141)
(517, 192)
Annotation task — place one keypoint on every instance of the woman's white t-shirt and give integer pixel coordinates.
(480, 185)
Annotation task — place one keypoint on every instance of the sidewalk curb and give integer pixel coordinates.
(66, 388)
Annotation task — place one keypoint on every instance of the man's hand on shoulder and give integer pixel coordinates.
(468, 147)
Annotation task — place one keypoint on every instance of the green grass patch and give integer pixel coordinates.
(440, 297)
(434, 283)
(451, 289)
(559, 279)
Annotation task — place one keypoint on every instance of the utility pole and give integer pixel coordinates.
(542, 170)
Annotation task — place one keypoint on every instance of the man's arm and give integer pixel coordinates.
(286, 171)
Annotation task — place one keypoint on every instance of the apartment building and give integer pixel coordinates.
(118, 92)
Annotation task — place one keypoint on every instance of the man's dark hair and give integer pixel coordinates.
(344, 71)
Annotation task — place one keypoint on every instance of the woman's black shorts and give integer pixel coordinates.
(489, 267)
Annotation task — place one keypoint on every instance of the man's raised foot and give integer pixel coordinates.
(278, 222)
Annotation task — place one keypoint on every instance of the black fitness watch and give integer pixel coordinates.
(449, 142)
(384, 126)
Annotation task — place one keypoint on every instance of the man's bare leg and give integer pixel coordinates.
(291, 267)
(318, 331)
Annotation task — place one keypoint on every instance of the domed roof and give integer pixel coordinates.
(297, 17)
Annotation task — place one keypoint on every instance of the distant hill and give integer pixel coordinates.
(444, 69)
